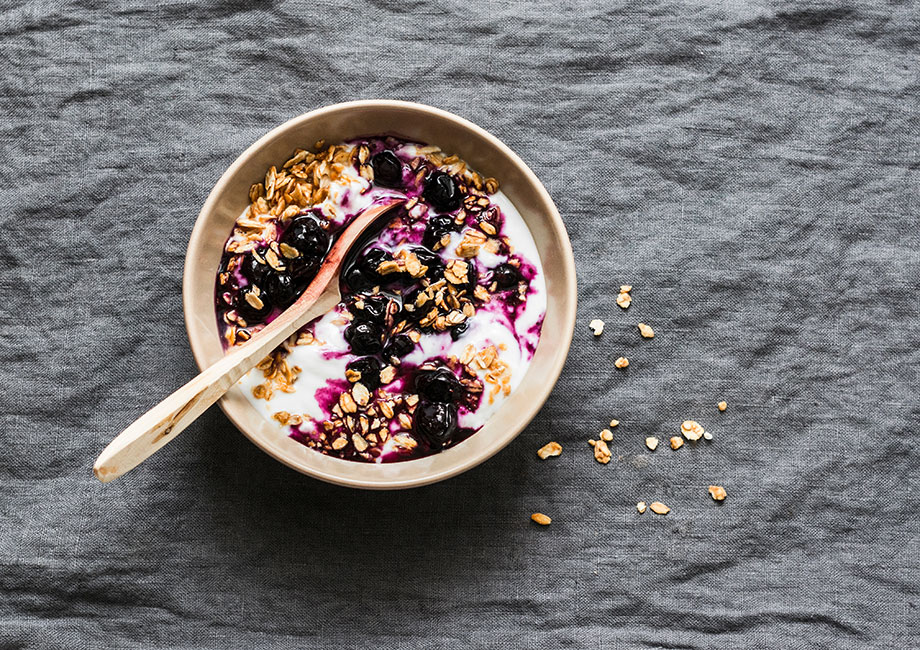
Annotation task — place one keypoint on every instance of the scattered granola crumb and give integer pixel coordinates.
(601, 452)
(614, 423)
(597, 326)
(659, 508)
(707, 435)
(677, 442)
(624, 300)
(592, 442)
(723, 406)
(651, 442)
(641, 507)
(646, 331)
(541, 519)
(549, 449)
(621, 363)
(606, 435)
(692, 430)
(625, 288)
(717, 492)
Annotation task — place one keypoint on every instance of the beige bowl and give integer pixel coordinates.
(424, 124)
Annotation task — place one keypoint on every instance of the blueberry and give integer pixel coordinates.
(375, 308)
(408, 300)
(304, 268)
(371, 261)
(364, 337)
(250, 313)
(506, 276)
(370, 368)
(436, 422)
(282, 289)
(398, 346)
(438, 385)
(437, 226)
(432, 260)
(459, 330)
(307, 236)
(356, 279)
(254, 270)
(441, 192)
(388, 170)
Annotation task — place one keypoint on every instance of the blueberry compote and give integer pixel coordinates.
(440, 313)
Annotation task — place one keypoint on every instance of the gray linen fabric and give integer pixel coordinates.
(751, 168)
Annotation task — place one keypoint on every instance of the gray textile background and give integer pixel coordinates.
(752, 169)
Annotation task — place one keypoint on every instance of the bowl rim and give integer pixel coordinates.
(563, 337)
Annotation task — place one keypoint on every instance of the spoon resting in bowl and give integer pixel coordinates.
(167, 419)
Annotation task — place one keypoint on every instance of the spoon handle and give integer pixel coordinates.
(166, 420)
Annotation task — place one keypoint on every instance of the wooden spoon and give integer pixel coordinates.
(164, 421)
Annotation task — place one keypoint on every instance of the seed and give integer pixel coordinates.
(707, 435)
(549, 449)
(254, 300)
(597, 326)
(651, 442)
(717, 492)
(659, 508)
(646, 331)
(359, 442)
(677, 442)
(289, 251)
(347, 403)
(387, 375)
(338, 443)
(692, 430)
(360, 394)
(723, 406)
(641, 507)
(541, 519)
(601, 452)
(621, 363)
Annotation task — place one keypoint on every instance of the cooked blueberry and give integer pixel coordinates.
(388, 169)
(307, 236)
(304, 268)
(371, 261)
(436, 422)
(437, 226)
(253, 269)
(432, 260)
(370, 368)
(410, 310)
(398, 346)
(356, 279)
(364, 337)
(506, 276)
(459, 330)
(375, 308)
(281, 289)
(251, 313)
(441, 192)
(438, 385)
(472, 277)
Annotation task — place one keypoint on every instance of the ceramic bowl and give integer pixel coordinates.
(483, 152)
